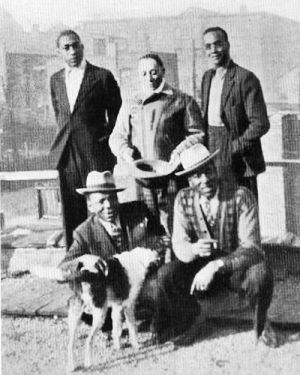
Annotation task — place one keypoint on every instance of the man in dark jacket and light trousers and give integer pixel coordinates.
(86, 101)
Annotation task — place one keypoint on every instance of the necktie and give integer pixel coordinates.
(116, 234)
(207, 211)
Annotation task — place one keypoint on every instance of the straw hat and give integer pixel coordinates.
(195, 158)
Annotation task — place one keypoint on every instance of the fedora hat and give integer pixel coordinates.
(195, 157)
(101, 182)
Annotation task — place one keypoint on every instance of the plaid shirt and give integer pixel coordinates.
(236, 229)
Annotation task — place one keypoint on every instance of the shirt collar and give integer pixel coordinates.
(108, 223)
(221, 70)
(81, 67)
(163, 88)
(214, 198)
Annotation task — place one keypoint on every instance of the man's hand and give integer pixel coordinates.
(204, 247)
(127, 155)
(175, 158)
(205, 276)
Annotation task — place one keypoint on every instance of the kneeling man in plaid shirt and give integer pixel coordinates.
(216, 239)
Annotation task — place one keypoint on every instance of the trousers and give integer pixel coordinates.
(175, 309)
(228, 166)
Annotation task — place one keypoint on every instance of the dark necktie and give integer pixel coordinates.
(208, 214)
(116, 234)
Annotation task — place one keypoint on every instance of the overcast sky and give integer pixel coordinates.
(49, 12)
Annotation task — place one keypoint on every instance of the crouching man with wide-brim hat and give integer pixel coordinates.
(111, 227)
(216, 239)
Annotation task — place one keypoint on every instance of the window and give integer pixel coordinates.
(99, 47)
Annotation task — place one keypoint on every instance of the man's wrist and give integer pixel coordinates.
(127, 153)
(175, 156)
(218, 265)
(195, 251)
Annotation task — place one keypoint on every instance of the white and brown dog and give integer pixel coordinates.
(99, 285)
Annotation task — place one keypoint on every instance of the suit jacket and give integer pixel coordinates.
(88, 127)
(139, 228)
(236, 229)
(243, 112)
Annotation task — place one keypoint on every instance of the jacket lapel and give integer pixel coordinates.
(228, 84)
(202, 228)
(126, 238)
(109, 247)
(87, 84)
(206, 89)
(63, 91)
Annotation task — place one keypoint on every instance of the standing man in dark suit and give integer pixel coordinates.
(235, 113)
(86, 101)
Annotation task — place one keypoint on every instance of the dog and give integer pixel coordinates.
(98, 285)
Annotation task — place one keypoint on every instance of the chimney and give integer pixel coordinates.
(35, 28)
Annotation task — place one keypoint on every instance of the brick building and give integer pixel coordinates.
(259, 41)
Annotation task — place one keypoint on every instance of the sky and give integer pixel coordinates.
(69, 12)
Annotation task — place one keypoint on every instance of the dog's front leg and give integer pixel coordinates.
(74, 314)
(99, 315)
(116, 315)
(131, 324)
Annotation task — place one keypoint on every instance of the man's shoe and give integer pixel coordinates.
(270, 337)
(181, 334)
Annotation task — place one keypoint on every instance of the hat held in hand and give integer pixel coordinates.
(152, 173)
(100, 182)
(194, 158)
(151, 169)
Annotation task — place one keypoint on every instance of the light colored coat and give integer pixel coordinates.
(154, 127)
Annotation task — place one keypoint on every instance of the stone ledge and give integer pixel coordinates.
(35, 260)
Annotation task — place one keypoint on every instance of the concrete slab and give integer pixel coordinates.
(32, 259)
(39, 296)
(34, 296)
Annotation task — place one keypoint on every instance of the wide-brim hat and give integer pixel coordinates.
(151, 173)
(100, 182)
(151, 169)
(194, 158)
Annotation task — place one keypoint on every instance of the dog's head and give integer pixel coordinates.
(93, 276)
(87, 275)
(91, 264)
(73, 269)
